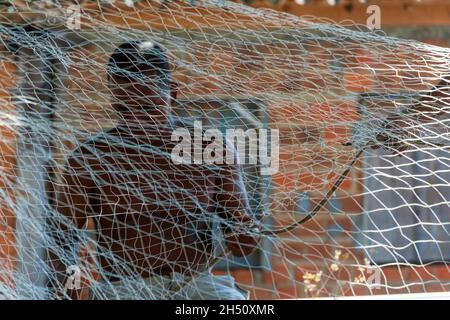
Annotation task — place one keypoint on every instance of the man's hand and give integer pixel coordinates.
(396, 132)
(243, 240)
(241, 228)
(432, 104)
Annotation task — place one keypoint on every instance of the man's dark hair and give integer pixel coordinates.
(132, 59)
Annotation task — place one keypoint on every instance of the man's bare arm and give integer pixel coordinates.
(242, 227)
(430, 106)
(71, 206)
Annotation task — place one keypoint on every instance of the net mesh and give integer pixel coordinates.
(123, 179)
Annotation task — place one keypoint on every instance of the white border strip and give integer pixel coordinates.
(406, 296)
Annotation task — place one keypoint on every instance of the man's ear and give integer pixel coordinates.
(173, 92)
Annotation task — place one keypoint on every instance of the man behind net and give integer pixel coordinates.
(153, 234)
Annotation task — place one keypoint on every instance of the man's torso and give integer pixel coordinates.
(151, 215)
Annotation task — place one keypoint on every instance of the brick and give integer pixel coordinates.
(442, 272)
(442, 42)
(358, 80)
(305, 233)
(7, 74)
(243, 277)
(394, 274)
(7, 247)
(364, 290)
(437, 287)
(221, 60)
(311, 180)
(337, 135)
(299, 180)
(220, 272)
(326, 222)
(305, 254)
(428, 273)
(313, 114)
(200, 85)
(269, 278)
(362, 56)
(346, 184)
(318, 57)
(293, 155)
(352, 204)
(262, 293)
(288, 292)
(287, 204)
(414, 79)
(316, 250)
(7, 217)
(346, 111)
(281, 273)
(285, 112)
(293, 137)
(282, 181)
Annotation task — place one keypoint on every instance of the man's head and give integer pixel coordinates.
(139, 77)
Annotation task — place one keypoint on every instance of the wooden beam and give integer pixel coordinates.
(146, 15)
(393, 13)
(149, 15)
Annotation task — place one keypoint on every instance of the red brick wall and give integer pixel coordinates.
(309, 253)
(313, 260)
(7, 162)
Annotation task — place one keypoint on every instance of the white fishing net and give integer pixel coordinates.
(95, 202)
